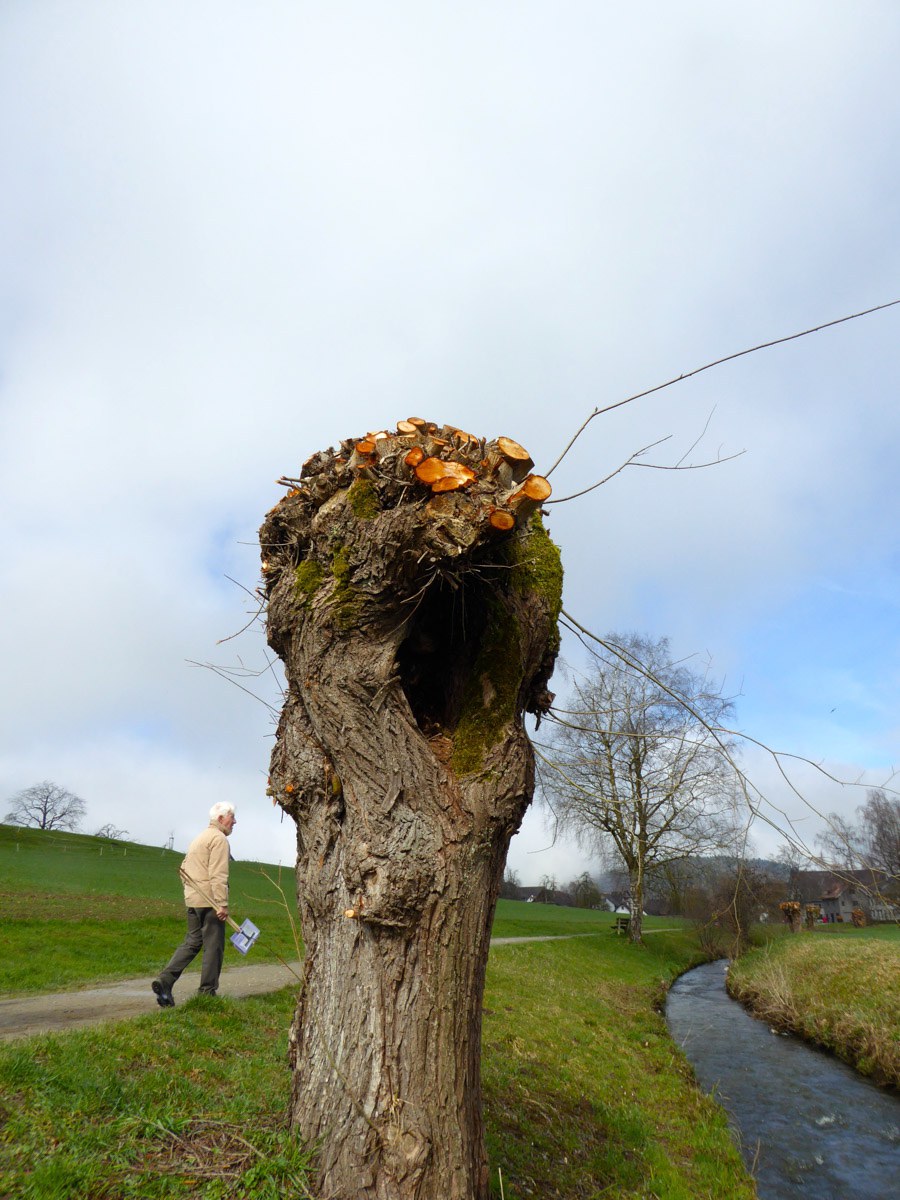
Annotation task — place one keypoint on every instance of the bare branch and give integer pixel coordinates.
(708, 366)
(632, 462)
(244, 672)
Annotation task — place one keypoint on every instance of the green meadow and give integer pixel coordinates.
(586, 1096)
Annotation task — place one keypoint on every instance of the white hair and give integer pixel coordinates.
(222, 809)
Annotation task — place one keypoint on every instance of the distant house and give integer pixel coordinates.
(884, 912)
(839, 901)
(856, 889)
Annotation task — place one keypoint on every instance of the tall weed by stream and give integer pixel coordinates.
(840, 991)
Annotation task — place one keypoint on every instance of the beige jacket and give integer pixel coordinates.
(204, 871)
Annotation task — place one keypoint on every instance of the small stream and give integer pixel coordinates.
(808, 1124)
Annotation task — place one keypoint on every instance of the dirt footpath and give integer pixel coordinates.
(57, 1012)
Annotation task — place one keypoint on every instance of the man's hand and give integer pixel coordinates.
(222, 914)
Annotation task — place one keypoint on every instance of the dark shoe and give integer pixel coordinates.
(164, 997)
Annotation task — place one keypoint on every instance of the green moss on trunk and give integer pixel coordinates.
(537, 565)
(490, 702)
(363, 498)
(308, 578)
(346, 601)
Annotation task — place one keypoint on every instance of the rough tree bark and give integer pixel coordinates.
(413, 595)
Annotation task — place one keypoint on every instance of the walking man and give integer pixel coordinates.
(204, 873)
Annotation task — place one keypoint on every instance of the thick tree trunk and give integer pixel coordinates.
(415, 628)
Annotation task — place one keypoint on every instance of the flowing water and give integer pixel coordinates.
(808, 1125)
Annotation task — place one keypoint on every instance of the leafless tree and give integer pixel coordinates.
(510, 888)
(549, 892)
(584, 891)
(791, 857)
(631, 764)
(872, 842)
(879, 820)
(741, 894)
(46, 806)
(112, 832)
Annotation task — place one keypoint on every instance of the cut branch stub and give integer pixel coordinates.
(513, 451)
(501, 520)
(377, 469)
(530, 496)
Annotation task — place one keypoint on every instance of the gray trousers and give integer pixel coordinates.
(204, 931)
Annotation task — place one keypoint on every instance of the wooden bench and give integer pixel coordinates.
(621, 924)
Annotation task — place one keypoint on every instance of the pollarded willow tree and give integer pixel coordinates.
(413, 596)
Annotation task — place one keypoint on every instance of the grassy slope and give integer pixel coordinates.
(79, 910)
(585, 1094)
(838, 987)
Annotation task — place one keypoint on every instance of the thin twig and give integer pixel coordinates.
(229, 675)
(708, 366)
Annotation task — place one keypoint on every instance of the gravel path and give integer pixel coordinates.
(56, 1012)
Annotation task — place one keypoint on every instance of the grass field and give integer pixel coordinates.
(517, 919)
(585, 1094)
(78, 910)
(837, 986)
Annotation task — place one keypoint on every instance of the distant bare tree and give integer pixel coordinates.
(790, 856)
(634, 761)
(549, 888)
(511, 886)
(873, 841)
(584, 892)
(880, 824)
(46, 806)
(682, 886)
(742, 894)
(110, 831)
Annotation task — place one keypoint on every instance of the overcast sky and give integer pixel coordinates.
(234, 234)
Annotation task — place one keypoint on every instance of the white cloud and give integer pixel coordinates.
(232, 237)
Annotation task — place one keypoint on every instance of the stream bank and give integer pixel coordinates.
(807, 1124)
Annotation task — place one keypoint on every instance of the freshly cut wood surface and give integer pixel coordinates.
(536, 487)
(513, 450)
(439, 470)
(502, 521)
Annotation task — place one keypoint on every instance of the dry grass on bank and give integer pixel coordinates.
(841, 993)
